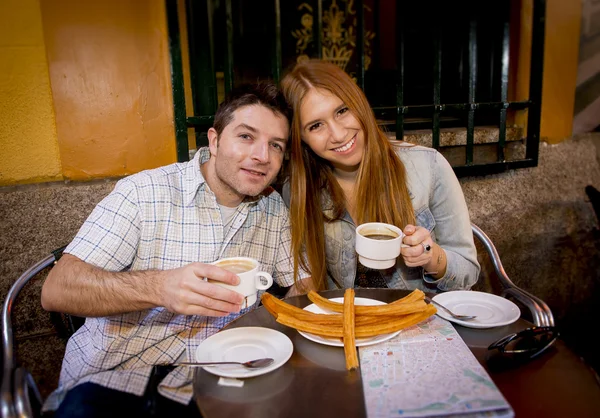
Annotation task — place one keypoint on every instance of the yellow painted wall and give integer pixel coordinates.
(28, 145)
(561, 49)
(561, 53)
(109, 70)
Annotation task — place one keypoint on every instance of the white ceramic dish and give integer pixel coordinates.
(243, 344)
(491, 310)
(360, 342)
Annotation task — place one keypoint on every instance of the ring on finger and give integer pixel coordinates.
(426, 247)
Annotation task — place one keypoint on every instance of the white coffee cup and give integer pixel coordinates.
(251, 280)
(378, 244)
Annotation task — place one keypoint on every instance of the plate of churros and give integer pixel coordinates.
(339, 342)
(349, 321)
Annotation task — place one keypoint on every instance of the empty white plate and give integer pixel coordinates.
(337, 342)
(244, 344)
(491, 310)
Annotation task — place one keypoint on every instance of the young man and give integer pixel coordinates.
(135, 270)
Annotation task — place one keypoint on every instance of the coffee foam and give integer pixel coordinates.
(236, 266)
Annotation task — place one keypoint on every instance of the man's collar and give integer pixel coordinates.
(193, 177)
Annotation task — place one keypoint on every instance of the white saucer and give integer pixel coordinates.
(243, 344)
(491, 310)
(337, 342)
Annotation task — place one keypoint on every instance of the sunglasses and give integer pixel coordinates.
(530, 342)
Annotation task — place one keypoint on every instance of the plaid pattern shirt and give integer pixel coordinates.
(156, 220)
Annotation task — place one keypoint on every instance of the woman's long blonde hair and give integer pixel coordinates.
(381, 194)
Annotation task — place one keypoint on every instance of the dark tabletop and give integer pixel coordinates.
(315, 383)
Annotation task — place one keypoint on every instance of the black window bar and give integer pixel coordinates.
(203, 50)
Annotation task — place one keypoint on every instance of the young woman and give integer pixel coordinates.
(344, 171)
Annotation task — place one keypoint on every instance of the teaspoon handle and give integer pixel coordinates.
(440, 306)
(194, 364)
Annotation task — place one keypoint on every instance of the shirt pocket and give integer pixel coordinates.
(425, 218)
(333, 250)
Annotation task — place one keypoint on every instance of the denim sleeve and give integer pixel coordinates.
(452, 228)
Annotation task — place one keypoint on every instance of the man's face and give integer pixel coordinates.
(248, 154)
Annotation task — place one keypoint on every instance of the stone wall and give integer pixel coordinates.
(34, 220)
(540, 219)
(547, 233)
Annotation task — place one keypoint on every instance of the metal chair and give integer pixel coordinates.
(20, 395)
(493, 279)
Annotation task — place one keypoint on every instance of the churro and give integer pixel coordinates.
(393, 308)
(276, 307)
(348, 331)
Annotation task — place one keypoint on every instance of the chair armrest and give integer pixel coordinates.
(24, 385)
(540, 311)
(7, 402)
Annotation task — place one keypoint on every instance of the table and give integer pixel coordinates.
(314, 382)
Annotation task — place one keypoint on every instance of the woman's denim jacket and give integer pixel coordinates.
(439, 206)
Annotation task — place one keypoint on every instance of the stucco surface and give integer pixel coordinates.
(28, 142)
(110, 76)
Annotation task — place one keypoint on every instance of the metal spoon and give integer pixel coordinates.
(457, 316)
(252, 364)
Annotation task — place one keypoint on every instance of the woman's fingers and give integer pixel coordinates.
(420, 246)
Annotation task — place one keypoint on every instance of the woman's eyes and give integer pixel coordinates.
(338, 113)
(342, 110)
(315, 126)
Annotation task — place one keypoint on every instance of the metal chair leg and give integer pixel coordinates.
(24, 385)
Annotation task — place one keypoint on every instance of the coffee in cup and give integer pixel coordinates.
(251, 280)
(378, 244)
(235, 265)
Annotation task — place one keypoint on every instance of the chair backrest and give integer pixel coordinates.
(493, 279)
(18, 386)
(11, 405)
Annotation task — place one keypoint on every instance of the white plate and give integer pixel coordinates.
(491, 310)
(337, 342)
(243, 344)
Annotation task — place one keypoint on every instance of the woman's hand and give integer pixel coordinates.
(423, 251)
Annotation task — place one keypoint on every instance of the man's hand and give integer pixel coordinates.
(185, 291)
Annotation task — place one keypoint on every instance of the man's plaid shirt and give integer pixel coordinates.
(157, 220)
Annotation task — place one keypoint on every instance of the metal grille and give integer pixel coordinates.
(215, 28)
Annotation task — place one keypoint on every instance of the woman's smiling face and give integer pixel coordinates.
(331, 130)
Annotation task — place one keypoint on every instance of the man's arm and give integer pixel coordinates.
(79, 288)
